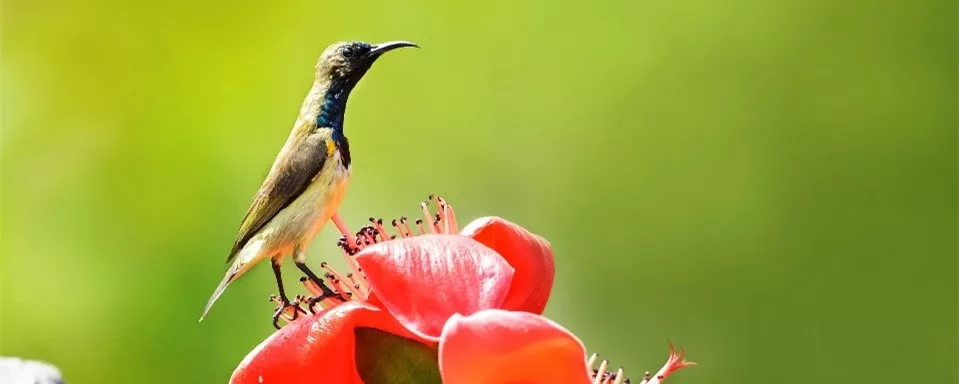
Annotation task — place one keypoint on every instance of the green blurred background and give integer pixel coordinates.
(770, 184)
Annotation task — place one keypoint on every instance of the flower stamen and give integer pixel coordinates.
(427, 217)
(353, 286)
(338, 222)
(601, 375)
(451, 226)
(378, 223)
(336, 281)
(440, 206)
(356, 287)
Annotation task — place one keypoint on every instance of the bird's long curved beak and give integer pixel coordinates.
(381, 48)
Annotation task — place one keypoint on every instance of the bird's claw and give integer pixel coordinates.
(281, 310)
(312, 301)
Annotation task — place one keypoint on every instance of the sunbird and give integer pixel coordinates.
(309, 177)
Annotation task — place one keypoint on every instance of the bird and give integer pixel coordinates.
(309, 178)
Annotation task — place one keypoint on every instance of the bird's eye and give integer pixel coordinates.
(348, 52)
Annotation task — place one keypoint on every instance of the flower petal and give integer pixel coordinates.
(424, 280)
(497, 346)
(320, 347)
(528, 253)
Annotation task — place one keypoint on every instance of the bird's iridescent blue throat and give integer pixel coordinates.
(333, 108)
(333, 111)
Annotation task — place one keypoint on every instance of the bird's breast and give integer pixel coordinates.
(326, 192)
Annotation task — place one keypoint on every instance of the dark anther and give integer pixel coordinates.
(402, 219)
(379, 221)
(419, 221)
(430, 197)
(393, 222)
(323, 264)
(610, 376)
(373, 220)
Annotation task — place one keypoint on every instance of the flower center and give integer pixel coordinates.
(353, 285)
(443, 221)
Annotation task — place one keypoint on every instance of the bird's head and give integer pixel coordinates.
(346, 62)
(340, 67)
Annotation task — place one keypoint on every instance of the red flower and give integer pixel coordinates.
(466, 305)
(497, 346)
(320, 349)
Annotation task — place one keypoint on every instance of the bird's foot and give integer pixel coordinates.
(323, 295)
(286, 309)
(325, 298)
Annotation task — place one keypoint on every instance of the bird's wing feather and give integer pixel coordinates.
(296, 166)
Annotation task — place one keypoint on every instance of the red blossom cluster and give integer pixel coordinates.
(436, 304)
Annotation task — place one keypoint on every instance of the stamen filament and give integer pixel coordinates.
(378, 223)
(436, 224)
(338, 222)
(427, 216)
(440, 215)
(451, 226)
(311, 286)
(359, 289)
(406, 224)
(620, 377)
(399, 228)
(337, 279)
(601, 372)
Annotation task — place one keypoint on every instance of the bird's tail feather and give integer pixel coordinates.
(247, 257)
(231, 275)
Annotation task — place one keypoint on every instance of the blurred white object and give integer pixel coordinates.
(19, 371)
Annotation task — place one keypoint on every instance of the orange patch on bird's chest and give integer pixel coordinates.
(330, 147)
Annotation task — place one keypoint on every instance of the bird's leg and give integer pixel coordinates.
(326, 291)
(284, 301)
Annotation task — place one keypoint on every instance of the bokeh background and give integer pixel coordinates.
(770, 184)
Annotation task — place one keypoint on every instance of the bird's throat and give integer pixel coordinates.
(333, 98)
(327, 105)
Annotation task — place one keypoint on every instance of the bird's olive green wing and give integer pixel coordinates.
(291, 174)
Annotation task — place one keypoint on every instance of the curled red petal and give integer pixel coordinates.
(424, 280)
(320, 347)
(497, 346)
(529, 254)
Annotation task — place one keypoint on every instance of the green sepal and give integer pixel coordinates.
(385, 358)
